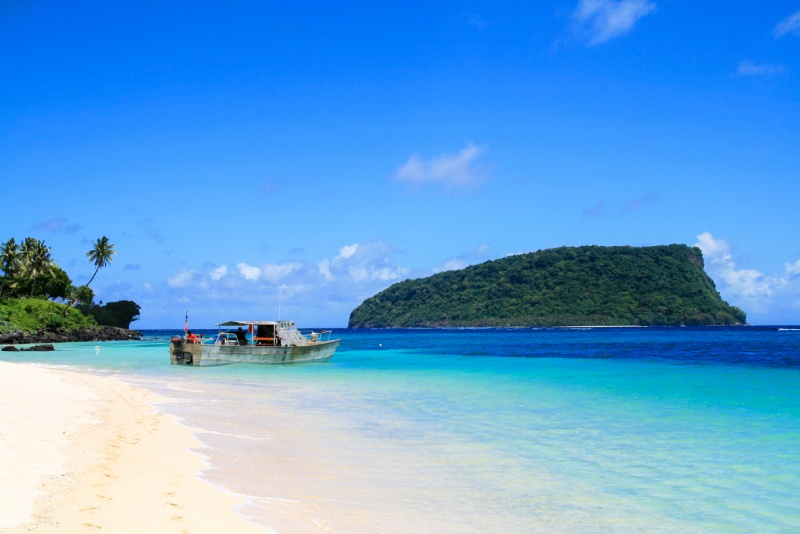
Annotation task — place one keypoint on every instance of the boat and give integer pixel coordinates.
(270, 342)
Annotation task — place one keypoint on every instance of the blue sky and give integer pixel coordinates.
(249, 156)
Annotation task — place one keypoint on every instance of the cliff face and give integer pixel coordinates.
(566, 286)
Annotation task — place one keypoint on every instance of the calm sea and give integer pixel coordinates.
(490, 430)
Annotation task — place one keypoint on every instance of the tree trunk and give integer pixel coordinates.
(92, 278)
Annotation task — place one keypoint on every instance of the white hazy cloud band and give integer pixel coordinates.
(358, 271)
(749, 68)
(362, 264)
(450, 171)
(790, 24)
(181, 279)
(632, 206)
(58, 225)
(598, 21)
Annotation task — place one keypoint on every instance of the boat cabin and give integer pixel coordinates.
(259, 333)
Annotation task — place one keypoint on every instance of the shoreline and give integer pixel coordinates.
(81, 453)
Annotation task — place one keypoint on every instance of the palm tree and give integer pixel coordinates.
(36, 258)
(100, 255)
(9, 261)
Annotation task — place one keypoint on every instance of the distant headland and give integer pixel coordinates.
(566, 286)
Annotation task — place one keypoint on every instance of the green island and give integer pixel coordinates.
(565, 286)
(39, 303)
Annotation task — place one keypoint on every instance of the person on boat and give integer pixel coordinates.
(220, 339)
(241, 337)
(192, 338)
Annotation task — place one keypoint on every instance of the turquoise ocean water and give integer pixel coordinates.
(524, 430)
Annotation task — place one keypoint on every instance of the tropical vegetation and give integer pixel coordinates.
(33, 314)
(36, 294)
(120, 313)
(566, 286)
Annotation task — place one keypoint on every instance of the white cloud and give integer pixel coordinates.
(790, 24)
(454, 264)
(360, 266)
(739, 282)
(457, 172)
(275, 272)
(598, 21)
(466, 259)
(182, 279)
(324, 268)
(358, 273)
(218, 273)
(248, 272)
(749, 68)
(747, 282)
(712, 247)
(483, 249)
(346, 252)
(766, 298)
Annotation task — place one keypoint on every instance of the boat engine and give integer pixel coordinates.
(181, 356)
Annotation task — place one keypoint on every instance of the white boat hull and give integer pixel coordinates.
(206, 354)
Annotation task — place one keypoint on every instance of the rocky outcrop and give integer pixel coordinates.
(95, 333)
(35, 348)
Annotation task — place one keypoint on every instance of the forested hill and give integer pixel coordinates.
(566, 286)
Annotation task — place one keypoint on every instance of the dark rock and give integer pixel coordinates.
(95, 333)
(36, 348)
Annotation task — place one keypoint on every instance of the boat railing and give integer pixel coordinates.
(316, 336)
(226, 338)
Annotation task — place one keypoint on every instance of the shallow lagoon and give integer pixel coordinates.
(524, 430)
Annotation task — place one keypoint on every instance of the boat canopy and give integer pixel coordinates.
(245, 323)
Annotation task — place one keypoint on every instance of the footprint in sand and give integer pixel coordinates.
(91, 525)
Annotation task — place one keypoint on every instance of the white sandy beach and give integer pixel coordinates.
(84, 453)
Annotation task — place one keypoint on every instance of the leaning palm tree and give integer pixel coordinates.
(9, 262)
(100, 255)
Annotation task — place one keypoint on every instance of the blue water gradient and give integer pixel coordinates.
(513, 430)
